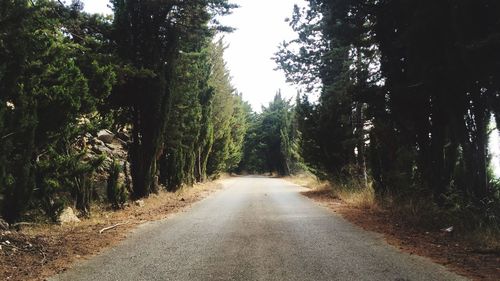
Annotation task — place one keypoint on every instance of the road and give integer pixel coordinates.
(255, 229)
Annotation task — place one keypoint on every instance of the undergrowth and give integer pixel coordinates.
(414, 212)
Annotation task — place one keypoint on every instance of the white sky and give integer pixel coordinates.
(97, 6)
(261, 27)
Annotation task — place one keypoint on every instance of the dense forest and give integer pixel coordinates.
(409, 94)
(272, 142)
(152, 74)
(408, 97)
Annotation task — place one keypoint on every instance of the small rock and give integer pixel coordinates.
(182, 199)
(4, 225)
(139, 203)
(68, 216)
(106, 136)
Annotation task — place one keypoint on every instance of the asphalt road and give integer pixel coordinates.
(256, 229)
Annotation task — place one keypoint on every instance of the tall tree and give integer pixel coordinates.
(148, 35)
(420, 79)
(271, 144)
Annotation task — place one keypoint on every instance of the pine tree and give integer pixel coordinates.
(149, 36)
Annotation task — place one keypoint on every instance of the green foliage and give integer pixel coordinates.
(150, 35)
(272, 142)
(45, 80)
(223, 107)
(206, 138)
(333, 53)
(153, 70)
(65, 178)
(238, 128)
(184, 133)
(116, 191)
(407, 92)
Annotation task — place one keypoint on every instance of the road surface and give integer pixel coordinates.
(257, 228)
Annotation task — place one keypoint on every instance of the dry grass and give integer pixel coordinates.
(476, 256)
(363, 198)
(306, 180)
(46, 249)
(412, 213)
(485, 240)
(354, 194)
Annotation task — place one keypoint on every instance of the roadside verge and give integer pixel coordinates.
(454, 252)
(39, 251)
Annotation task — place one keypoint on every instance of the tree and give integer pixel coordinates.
(64, 74)
(402, 78)
(45, 79)
(331, 55)
(223, 108)
(271, 144)
(148, 35)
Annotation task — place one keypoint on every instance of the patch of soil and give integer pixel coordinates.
(37, 252)
(443, 248)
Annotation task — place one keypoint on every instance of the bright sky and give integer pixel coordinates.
(261, 27)
(97, 6)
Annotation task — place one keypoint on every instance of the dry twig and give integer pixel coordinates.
(111, 227)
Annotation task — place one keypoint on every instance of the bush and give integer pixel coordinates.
(51, 202)
(116, 191)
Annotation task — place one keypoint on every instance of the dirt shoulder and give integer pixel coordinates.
(37, 252)
(443, 248)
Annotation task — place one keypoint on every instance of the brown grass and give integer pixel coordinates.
(475, 255)
(355, 194)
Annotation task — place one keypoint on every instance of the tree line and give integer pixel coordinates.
(408, 96)
(272, 143)
(153, 69)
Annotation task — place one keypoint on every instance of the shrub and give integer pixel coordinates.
(116, 191)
